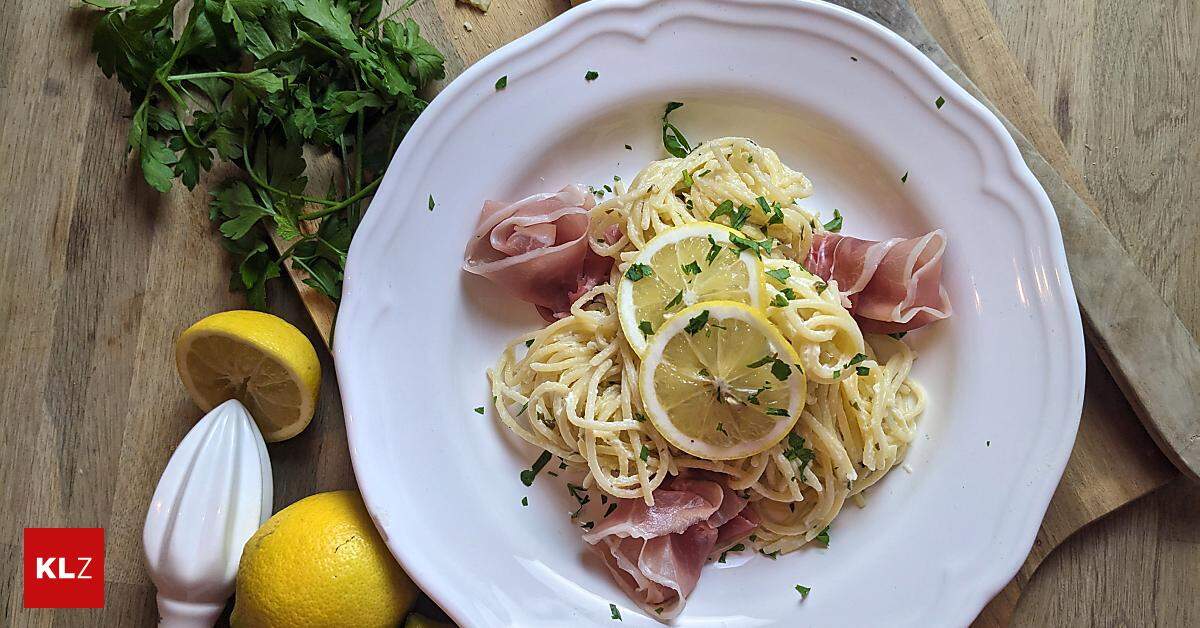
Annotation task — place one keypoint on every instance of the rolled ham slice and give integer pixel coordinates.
(655, 553)
(893, 286)
(536, 249)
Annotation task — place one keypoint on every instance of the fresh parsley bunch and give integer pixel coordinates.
(255, 83)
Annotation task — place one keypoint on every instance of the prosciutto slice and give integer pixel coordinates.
(536, 249)
(893, 286)
(655, 553)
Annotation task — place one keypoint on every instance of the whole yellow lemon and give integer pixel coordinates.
(320, 562)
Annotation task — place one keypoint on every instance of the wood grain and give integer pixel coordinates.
(101, 273)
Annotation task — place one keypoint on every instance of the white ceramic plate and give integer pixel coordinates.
(1004, 374)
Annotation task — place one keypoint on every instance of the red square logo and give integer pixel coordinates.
(64, 568)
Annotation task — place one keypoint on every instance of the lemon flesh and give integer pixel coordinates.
(320, 562)
(687, 264)
(259, 359)
(720, 382)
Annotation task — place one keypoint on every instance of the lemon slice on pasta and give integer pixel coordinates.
(720, 382)
(679, 268)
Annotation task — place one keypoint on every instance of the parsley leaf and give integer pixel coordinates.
(528, 475)
(646, 328)
(823, 537)
(637, 272)
(834, 225)
(691, 268)
(939, 102)
(675, 300)
(696, 323)
(673, 139)
(591, 75)
(479, 410)
(803, 591)
(644, 454)
(616, 613)
(763, 361)
(779, 274)
(779, 300)
(502, 82)
(781, 370)
(724, 209)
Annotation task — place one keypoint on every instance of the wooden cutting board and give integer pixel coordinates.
(1114, 460)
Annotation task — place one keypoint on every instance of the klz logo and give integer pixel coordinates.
(64, 567)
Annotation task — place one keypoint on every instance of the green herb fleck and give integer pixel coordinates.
(616, 614)
(528, 475)
(820, 286)
(725, 208)
(801, 589)
(862, 370)
(675, 300)
(779, 274)
(628, 147)
(645, 453)
(637, 272)
(502, 82)
(591, 75)
(524, 501)
(904, 179)
(740, 217)
(788, 293)
(431, 203)
(639, 417)
(646, 328)
(823, 537)
(779, 300)
(685, 182)
(763, 361)
(857, 359)
(610, 509)
(835, 225)
(781, 370)
(898, 335)
(673, 139)
(777, 412)
(939, 102)
(691, 268)
(696, 323)
(529, 343)
(479, 410)
(721, 428)
(713, 251)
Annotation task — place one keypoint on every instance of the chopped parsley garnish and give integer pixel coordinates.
(721, 429)
(639, 417)
(673, 139)
(588, 525)
(857, 359)
(781, 370)
(777, 412)
(524, 501)
(645, 453)
(739, 218)
(431, 203)
(523, 409)
(696, 323)
(724, 209)
(736, 548)
(898, 335)
(779, 274)
(820, 286)
(659, 610)
(788, 293)
(823, 537)
(939, 102)
(646, 328)
(904, 179)
(591, 75)
(862, 370)
(713, 251)
(837, 373)
(779, 300)
(772, 555)
(704, 172)
(801, 589)
(528, 475)
(638, 272)
(479, 410)
(763, 361)
(611, 508)
(685, 183)
(691, 268)
(529, 343)
(834, 225)
(628, 147)
(753, 538)
(616, 614)
(502, 82)
(797, 451)
(676, 300)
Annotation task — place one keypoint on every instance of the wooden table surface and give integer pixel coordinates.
(100, 273)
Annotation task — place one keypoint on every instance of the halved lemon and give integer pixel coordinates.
(720, 382)
(679, 268)
(259, 359)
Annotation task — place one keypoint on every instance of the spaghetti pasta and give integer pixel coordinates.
(572, 387)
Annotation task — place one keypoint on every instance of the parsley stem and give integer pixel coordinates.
(305, 37)
(366, 191)
(267, 186)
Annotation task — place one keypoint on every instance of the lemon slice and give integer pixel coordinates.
(259, 359)
(681, 267)
(720, 382)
